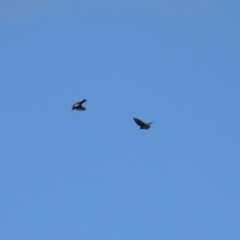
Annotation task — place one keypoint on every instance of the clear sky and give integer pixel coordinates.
(94, 175)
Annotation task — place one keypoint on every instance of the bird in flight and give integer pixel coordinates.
(142, 124)
(78, 105)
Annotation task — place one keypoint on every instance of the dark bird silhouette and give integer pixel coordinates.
(78, 105)
(142, 124)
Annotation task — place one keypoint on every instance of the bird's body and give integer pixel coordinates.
(78, 105)
(142, 124)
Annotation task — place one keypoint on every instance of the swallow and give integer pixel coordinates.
(142, 124)
(78, 105)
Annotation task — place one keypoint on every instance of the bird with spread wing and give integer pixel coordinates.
(142, 124)
(78, 105)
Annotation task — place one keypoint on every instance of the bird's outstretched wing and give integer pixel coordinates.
(84, 100)
(139, 122)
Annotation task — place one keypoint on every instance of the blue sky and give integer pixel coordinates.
(94, 175)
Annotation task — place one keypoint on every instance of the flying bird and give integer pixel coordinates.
(142, 124)
(78, 105)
